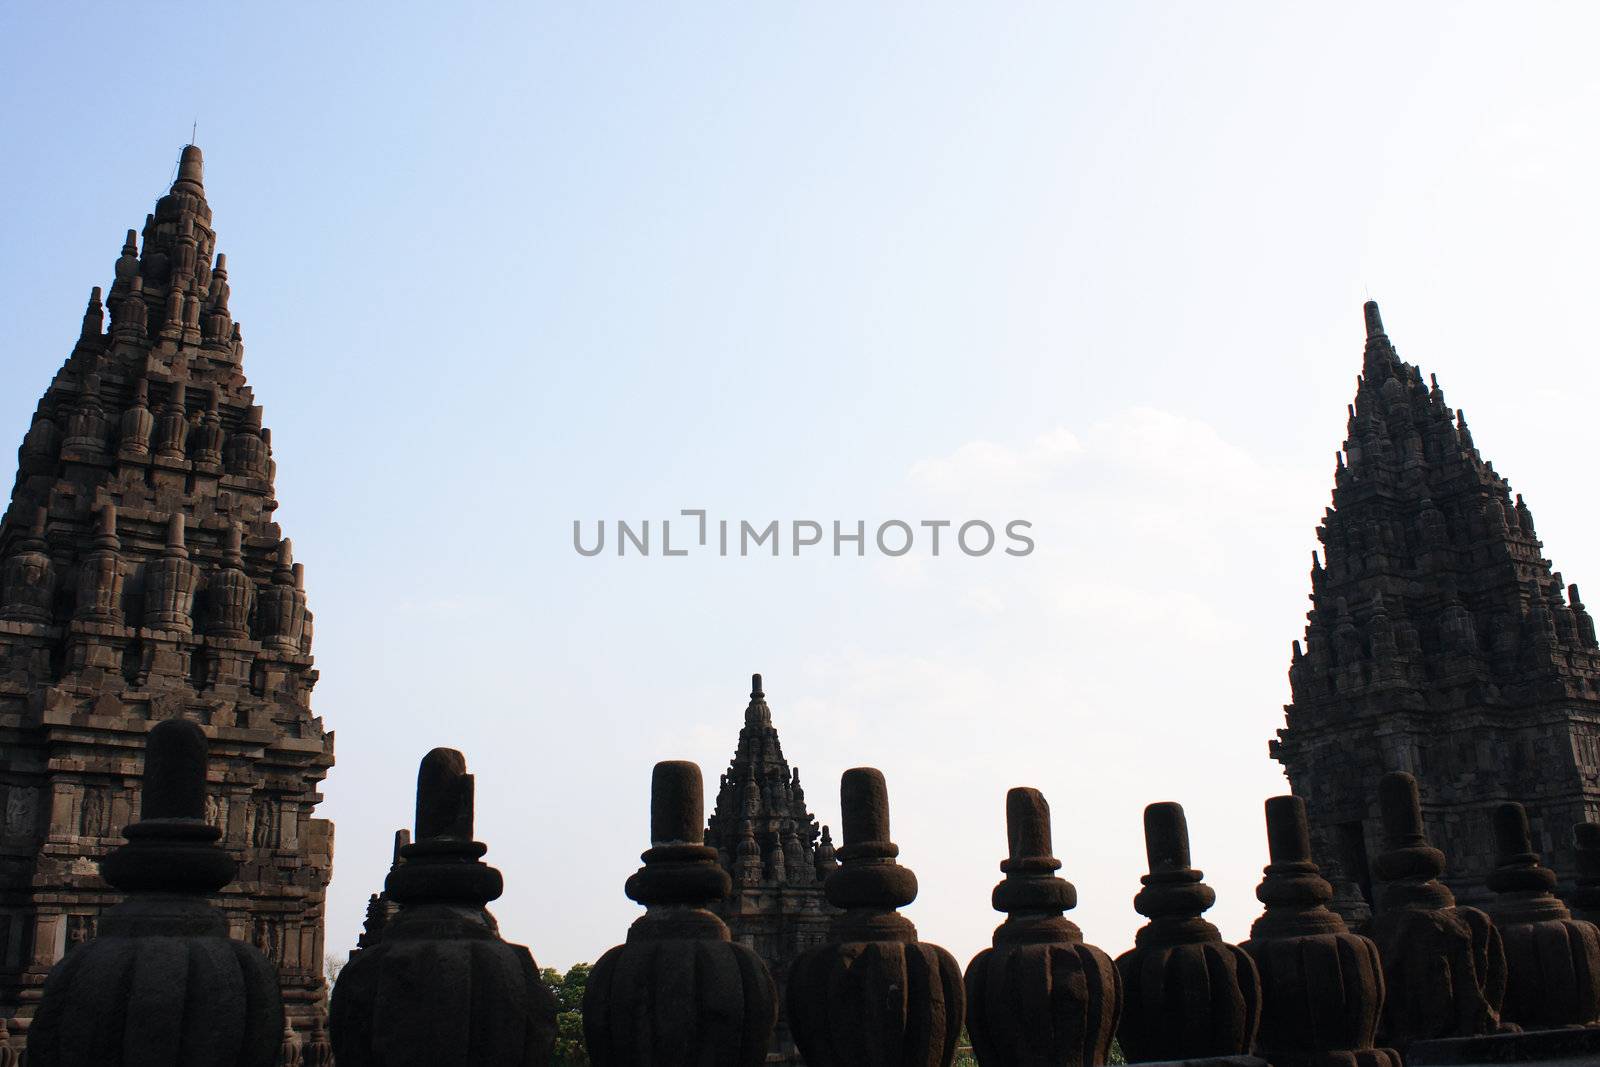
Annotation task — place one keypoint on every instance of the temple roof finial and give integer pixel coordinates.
(1374, 320)
(191, 171)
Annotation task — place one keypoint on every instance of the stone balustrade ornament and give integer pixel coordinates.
(874, 994)
(1322, 986)
(442, 989)
(100, 575)
(163, 983)
(1444, 966)
(1186, 992)
(1552, 959)
(1585, 898)
(1040, 994)
(680, 992)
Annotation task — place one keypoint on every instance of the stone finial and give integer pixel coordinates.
(1584, 899)
(1299, 945)
(827, 858)
(875, 950)
(28, 579)
(230, 592)
(191, 172)
(758, 713)
(403, 1002)
(1040, 994)
(1553, 960)
(137, 423)
(163, 983)
(283, 605)
(170, 583)
(1444, 966)
(1374, 320)
(680, 991)
(94, 317)
(1186, 992)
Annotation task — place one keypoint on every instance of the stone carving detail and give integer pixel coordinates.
(246, 453)
(680, 992)
(172, 429)
(162, 983)
(1040, 994)
(1438, 642)
(381, 907)
(873, 951)
(1444, 966)
(1322, 986)
(406, 1002)
(137, 422)
(29, 580)
(1553, 960)
(1186, 992)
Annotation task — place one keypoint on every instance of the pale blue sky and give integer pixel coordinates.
(1098, 266)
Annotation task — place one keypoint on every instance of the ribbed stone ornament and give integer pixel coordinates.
(163, 983)
(441, 989)
(28, 579)
(1322, 985)
(874, 994)
(1552, 959)
(1040, 994)
(1444, 966)
(680, 992)
(1186, 992)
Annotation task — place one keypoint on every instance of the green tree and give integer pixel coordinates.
(568, 990)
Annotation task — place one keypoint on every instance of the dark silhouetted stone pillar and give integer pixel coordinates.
(1585, 897)
(1040, 994)
(163, 983)
(1186, 992)
(1553, 959)
(1322, 985)
(680, 993)
(441, 987)
(874, 994)
(1444, 966)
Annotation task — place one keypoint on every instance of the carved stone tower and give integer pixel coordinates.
(1440, 643)
(143, 580)
(769, 844)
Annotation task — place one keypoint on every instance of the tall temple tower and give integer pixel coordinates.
(769, 845)
(144, 579)
(1439, 642)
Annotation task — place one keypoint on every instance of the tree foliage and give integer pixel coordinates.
(568, 990)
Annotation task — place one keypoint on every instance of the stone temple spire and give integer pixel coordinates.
(767, 842)
(1439, 642)
(140, 554)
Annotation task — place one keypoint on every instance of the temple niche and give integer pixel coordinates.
(143, 579)
(1441, 643)
(776, 855)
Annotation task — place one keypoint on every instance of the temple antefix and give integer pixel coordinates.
(769, 844)
(144, 580)
(1440, 643)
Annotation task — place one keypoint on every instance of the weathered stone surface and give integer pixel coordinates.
(441, 988)
(1322, 985)
(679, 993)
(874, 994)
(163, 983)
(1439, 642)
(1186, 992)
(1040, 994)
(1444, 965)
(1553, 960)
(132, 566)
(767, 841)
